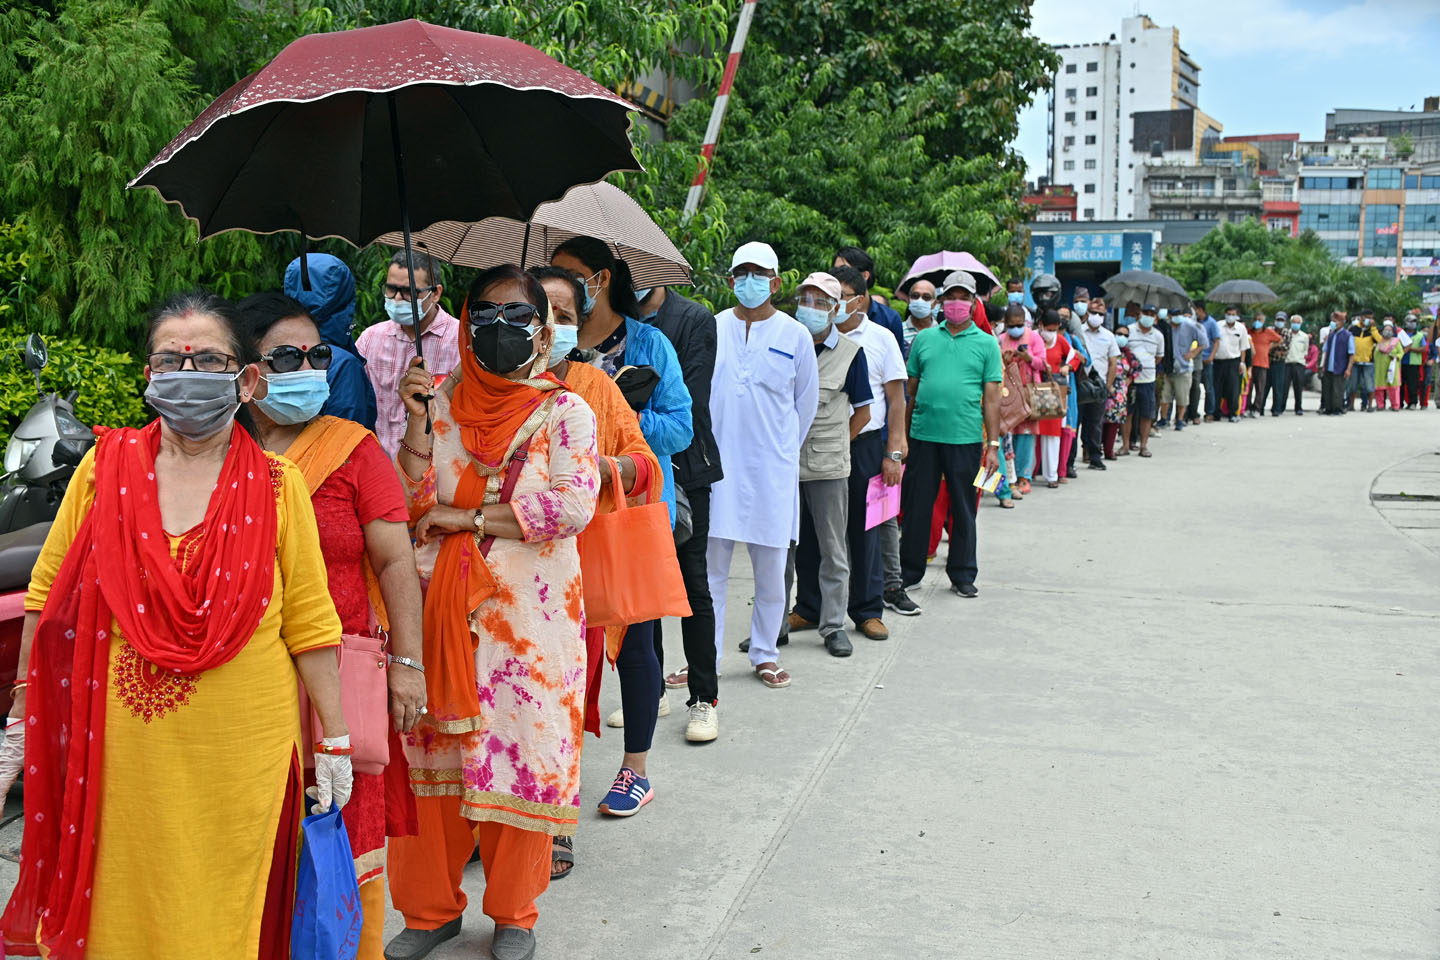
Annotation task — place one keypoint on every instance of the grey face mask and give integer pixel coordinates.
(193, 404)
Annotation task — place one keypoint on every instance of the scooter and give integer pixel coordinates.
(43, 452)
(40, 459)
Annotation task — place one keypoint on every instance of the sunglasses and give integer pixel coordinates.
(393, 292)
(518, 314)
(288, 359)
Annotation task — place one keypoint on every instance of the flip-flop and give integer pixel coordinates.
(1007, 504)
(679, 680)
(562, 849)
(1145, 453)
(772, 676)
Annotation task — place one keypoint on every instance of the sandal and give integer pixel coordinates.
(1007, 504)
(562, 850)
(772, 676)
(679, 680)
(1052, 484)
(1145, 453)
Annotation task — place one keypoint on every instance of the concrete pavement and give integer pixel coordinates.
(1191, 714)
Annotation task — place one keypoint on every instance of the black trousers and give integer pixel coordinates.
(1297, 375)
(867, 569)
(698, 629)
(1227, 386)
(1092, 428)
(1332, 392)
(1410, 383)
(1192, 409)
(927, 464)
(1277, 385)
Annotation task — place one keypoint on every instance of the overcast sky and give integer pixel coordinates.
(1269, 66)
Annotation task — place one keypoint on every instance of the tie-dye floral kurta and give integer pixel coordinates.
(522, 765)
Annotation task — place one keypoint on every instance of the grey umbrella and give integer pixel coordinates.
(597, 210)
(1146, 287)
(1242, 293)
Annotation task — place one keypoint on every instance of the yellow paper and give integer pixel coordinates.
(987, 481)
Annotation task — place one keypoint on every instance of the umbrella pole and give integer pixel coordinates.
(409, 246)
(525, 248)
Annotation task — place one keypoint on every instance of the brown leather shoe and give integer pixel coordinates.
(798, 622)
(874, 629)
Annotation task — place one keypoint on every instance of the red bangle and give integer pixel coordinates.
(333, 751)
(415, 453)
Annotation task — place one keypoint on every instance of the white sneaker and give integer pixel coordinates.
(617, 719)
(704, 723)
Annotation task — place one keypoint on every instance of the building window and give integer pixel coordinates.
(1089, 164)
(1132, 89)
(1089, 188)
(1092, 67)
(1089, 213)
(1070, 92)
(1383, 178)
(1070, 67)
(1092, 91)
(1229, 183)
(1329, 183)
(1278, 224)
(1381, 228)
(1089, 139)
(1422, 216)
(1330, 216)
(1070, 164)
(1089, 114)
(1069, 141)
(1343, 248)
(1069, 116)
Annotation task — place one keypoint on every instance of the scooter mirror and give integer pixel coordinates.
(36, 355)
(69, 452)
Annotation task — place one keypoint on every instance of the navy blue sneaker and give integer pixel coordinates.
(627, 795)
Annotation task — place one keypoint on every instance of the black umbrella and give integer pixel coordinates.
(358, 133)
(1242, 293)
(1146, 287)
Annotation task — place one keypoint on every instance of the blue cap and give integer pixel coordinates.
(1148, 308)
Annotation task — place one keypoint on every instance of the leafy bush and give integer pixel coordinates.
(109, 382)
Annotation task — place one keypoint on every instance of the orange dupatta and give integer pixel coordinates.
(496, 417)
(321, 449)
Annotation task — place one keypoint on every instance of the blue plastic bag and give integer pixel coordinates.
(327, 898)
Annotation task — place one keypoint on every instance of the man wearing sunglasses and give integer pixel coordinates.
(389, 346)
(330, 298)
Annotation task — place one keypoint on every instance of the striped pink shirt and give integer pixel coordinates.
(388, 349)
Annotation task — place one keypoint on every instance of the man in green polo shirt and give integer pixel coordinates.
(954, 388)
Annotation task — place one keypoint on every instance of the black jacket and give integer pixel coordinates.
(690, 328)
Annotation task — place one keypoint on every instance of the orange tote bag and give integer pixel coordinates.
(628, 566)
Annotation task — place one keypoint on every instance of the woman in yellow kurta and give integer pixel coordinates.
(180, 589)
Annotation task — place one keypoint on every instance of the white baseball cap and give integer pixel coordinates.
(760, 254)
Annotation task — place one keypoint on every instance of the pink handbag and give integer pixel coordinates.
(365, 701)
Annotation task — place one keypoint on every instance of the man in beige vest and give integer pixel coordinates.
(820, 562)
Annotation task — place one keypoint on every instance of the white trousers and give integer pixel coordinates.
(1049, 458)
(768, 564)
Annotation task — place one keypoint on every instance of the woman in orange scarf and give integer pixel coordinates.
(370, 565)
(182, 589)
(499, 488)
(622, 442)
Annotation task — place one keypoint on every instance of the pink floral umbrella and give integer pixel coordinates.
(936, 266)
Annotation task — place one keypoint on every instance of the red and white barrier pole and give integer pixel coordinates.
(717, 115)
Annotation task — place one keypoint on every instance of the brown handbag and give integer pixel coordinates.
(1048, 400)
(1014, 403)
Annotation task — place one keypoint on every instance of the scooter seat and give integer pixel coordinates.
(18, 552)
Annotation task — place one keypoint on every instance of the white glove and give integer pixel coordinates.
(334, 776)
(12, 755)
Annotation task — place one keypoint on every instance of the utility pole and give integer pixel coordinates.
(717, 115)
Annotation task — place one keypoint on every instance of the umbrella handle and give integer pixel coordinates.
(409, 247)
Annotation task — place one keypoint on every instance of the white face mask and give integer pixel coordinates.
(1094, 320)
(1048, 336)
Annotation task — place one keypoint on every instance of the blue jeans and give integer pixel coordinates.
(1361, 382)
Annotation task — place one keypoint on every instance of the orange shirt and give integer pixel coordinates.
(1260, 343)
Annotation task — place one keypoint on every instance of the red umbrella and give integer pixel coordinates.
(362, 132)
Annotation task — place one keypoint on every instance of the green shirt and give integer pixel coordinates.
(953, 370)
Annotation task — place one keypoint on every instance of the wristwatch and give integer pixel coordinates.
(406, 662)
(480, 524)
(994, 443)
(895, 455)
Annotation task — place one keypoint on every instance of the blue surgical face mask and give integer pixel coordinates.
(817, 321)
(1014, 296)
(567, 338)
(1121, 339)
(400, 312)
(1164, 314)
(1295, 326)
(922, 309)
(1147, 321)
(1015, 332)
(294, 397)
(752, 290)
(1258, 324)
(1080, 308)
(642, 293)
(589, 303)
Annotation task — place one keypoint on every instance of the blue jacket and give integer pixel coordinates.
(331, 302)
(665, 421)
(886, 316)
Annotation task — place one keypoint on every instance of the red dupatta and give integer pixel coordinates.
(119, 567)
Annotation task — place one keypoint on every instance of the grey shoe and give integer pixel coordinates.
(513, 943)
(838, 644)
(414, 944)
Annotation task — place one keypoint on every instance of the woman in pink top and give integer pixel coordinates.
(1026, 351)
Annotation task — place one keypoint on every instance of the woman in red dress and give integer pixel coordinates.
(1061, 359)
(370, 564)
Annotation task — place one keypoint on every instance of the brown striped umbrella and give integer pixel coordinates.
(598, 210)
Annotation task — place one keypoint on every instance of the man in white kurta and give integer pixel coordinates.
(762, 399)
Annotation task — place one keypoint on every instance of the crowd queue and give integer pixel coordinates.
(300, 487)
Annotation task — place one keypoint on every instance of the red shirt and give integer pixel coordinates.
(365, 488)
(1260, 343)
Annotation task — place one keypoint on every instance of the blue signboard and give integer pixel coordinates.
(1041, 260)
(1139, 251)
(1089, 247)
